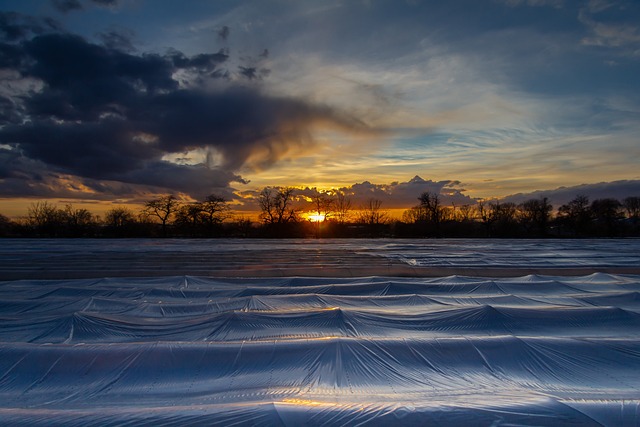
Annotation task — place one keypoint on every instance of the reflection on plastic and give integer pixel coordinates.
(532, 350)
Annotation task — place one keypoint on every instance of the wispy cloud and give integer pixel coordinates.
(610, 25)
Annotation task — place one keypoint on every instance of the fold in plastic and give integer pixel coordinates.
(533, 350)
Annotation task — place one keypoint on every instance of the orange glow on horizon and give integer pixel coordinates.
(314, 217)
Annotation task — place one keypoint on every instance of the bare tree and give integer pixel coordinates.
(632, 206)
(163, 208)
(431, 211)
(607, 212)
(45, 218)
(576, 214)
(276, 205)
(78, 221)
(203, 217)
(503, 212)
(5, 225)
(342, 207)
(372, 214)
(497, 217)
(323, 204)
(119, 217)
(413, 215)
(214, 209)
(535, 214)
(189, 215)
(430, 202)
(121, 221)
(465, 212)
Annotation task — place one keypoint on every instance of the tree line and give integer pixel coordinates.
(283, 213)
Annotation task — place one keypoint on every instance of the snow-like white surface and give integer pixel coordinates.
(456, 350)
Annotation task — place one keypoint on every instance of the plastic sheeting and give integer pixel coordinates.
(531, 350)
(86, 258)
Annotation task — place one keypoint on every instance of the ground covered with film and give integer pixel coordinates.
(458, 349)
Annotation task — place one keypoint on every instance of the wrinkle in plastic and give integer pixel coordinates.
(182, 350)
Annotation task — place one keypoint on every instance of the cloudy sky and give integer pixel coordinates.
(116, 101)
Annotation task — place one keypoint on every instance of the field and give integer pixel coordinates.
(304, 332)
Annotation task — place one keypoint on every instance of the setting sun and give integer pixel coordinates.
(315, 217)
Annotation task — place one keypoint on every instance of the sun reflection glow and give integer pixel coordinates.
(315, 217)
(305, 402)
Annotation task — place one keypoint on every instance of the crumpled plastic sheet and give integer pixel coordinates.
(532, 350)
(513, 252)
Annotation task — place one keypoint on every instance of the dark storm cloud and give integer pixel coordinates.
(21, 176)
(69, 64)
(238, 121)
(198, 181)
(205, 62)
(102, 113)
(9, 111)
(65, 6)
(97, 149)
(15, 26)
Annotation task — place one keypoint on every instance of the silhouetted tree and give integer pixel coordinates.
(279, 216)
(78, 222)
(203, 218)
(632, 206)
(342, 207)
(6, 226)
(45, 219)
(484, 215)
(322, 204)
(120, 222)
(276, 205)
(505, 216)
(119, 217)
(414, 215)
(464, 213)
(498, 218)
(371, 213)
(431, 211)
(163, 208)
(576, 215)
(189, 217)
(214, 210)
(606, 213)
(535, 215)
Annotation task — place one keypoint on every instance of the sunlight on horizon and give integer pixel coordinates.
(314, 217)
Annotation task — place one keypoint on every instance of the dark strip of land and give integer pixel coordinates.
(326, 262)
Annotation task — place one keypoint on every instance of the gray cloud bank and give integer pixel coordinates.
(602, 190)
(405, 194)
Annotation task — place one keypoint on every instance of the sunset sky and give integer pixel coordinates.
(116, 101)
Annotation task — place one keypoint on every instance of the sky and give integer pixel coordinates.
(108, 102)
